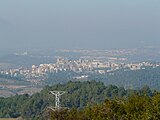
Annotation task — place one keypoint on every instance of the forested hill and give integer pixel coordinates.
(78, 95)
(135, 79)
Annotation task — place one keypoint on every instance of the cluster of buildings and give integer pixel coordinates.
(78, 66)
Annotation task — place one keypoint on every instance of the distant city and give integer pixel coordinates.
(79, 66)
(100, 61)
(82, 63)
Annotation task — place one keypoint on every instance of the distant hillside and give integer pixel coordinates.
(135, 79)
(25, 60)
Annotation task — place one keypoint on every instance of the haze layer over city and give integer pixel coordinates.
(79, 24)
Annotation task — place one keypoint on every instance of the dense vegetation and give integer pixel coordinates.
(79, 95)
(135, 107)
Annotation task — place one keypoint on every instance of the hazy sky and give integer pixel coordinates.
(93, 24)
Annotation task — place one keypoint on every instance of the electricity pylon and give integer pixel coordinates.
(57, 95)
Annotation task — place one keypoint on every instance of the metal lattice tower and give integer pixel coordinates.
(57, 95)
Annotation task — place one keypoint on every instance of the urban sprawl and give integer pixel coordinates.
(78, 66)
